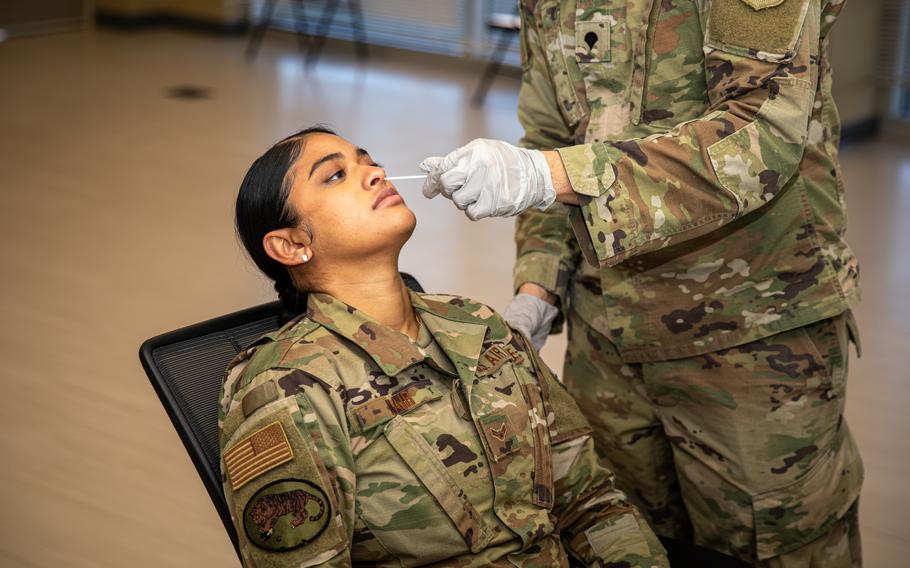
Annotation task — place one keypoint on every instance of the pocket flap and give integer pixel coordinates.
(432, 473)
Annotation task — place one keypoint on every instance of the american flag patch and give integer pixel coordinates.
(256, 454)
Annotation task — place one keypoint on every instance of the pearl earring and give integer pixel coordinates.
(304, 258)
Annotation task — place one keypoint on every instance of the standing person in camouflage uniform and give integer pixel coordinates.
(388, 428)
(697, 254)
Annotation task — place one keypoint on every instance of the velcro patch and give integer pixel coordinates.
(500, 435)
(379, 410)
(495, 357)
(258, 397)
(766, 29)
(592, 41)
(261, 451)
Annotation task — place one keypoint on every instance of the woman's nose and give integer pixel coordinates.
(375, 178)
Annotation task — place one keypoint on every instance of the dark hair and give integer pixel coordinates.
(262, 206)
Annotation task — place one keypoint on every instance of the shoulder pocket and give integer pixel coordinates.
(760, 29)
(618, 537)
(281, 497)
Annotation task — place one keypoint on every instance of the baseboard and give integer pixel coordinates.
(59, 25)
(146, 21)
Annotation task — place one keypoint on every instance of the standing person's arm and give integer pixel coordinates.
(643, 194)
(546, 251)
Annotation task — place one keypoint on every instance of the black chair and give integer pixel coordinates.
(186, 368)
(685, 554)
(316, 41)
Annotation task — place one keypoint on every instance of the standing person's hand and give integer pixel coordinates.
(531, 314)
(490, 178)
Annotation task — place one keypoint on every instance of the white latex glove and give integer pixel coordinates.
(490, 178)
(532, 316)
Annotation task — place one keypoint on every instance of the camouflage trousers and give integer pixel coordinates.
(744, 450)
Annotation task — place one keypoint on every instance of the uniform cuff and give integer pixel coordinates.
(539, 268)
(598, 223)
(589, 168)
(545, 270)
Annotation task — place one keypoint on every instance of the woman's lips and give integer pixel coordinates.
(387, 197)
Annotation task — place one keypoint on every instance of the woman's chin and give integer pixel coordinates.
(406, 222)
(392, 229)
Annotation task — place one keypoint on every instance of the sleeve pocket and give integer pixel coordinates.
(618, 538)
(281, 500)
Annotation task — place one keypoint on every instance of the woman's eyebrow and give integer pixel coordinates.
(333, 156)
(322, 160)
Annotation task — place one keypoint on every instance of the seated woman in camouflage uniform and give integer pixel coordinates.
(386, 427)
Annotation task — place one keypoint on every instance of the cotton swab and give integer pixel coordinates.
(397, 178)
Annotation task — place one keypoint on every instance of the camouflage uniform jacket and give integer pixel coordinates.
(703, 140)
(344, 442)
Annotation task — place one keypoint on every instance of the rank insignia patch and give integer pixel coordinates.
(286, 514)
(256, 454)
(500, 435)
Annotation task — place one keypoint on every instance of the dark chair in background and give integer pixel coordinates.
(508, 26)
(186, 368)
(312, 45)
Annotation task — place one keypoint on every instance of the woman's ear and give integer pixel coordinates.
(285, 246)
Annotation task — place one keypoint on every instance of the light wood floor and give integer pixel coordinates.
(115, 225)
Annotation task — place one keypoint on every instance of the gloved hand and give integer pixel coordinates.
(532, 316)
(490, 178)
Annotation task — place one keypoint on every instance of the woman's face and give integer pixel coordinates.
(342, 195)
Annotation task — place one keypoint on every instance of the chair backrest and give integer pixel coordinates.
(186, 368)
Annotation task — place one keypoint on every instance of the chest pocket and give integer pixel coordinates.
(508, 411)
(606, 41)
(558, 44)
(406, 495)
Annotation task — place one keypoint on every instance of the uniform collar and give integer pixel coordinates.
(459, 333)
(456, 330)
